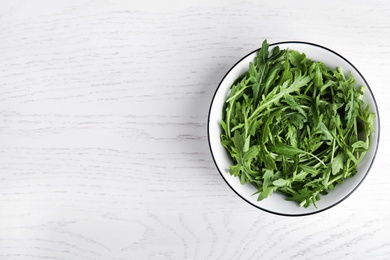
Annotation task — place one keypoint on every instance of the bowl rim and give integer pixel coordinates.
(377, 130)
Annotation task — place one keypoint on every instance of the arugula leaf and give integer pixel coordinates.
(286, 149)
(360, 144)
(280, 182)
(294, 105)
(305, 197)
(337, 163)
(266, 192)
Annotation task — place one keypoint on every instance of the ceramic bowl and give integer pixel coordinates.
(276, 203)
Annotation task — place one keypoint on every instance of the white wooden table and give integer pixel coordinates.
(103, 142)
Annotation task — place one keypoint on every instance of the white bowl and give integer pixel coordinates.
(276, 203)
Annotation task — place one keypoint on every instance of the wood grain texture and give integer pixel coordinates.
(103, 142)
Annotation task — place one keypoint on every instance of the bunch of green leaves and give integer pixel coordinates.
(295, 126)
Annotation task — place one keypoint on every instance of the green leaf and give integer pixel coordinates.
(242, 178)
(246, 144)
(293, 104)
(337, 163)
(291, 135)
(297, 120)
(296, 58)
(267, 178)
(273, 75)
(251, 153)
(266, 193)
(280, 182)
(359, 144)
(235, 170)
(318, 81)
(253, 127)
(237, 91)
(278, 92)
(325, 131)
(263, 53)
(259, 71)
(285, 149)
(223, 125)
(286, 75)
(266, 158)
(239, 142)
(309, 169)
(304, 197)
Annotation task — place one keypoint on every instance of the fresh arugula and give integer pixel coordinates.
(295, 126)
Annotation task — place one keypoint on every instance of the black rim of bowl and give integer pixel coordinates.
(377, 130)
